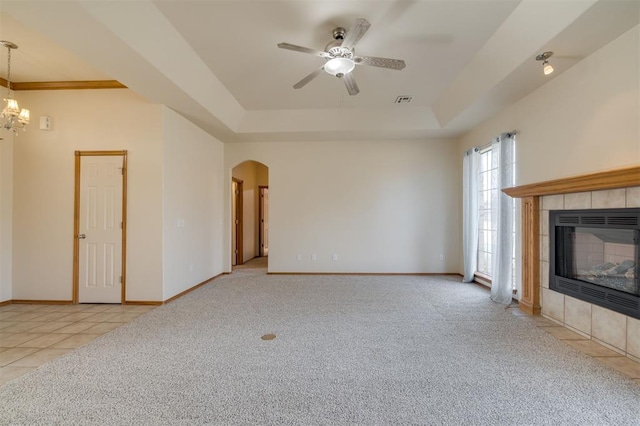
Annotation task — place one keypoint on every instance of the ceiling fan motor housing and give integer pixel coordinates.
(339, 33)
(340, 52)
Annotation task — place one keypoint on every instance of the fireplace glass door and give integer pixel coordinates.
(594, 256)
(602, 256)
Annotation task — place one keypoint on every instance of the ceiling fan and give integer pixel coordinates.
(341, 57)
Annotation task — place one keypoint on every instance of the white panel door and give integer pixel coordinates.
(100, 236)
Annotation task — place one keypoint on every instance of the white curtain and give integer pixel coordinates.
(502, 151)
(470, 169)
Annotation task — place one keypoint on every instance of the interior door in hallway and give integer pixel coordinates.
(100, 229)
(236, 227)
(264, 221)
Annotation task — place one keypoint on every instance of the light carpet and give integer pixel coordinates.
(348, 350)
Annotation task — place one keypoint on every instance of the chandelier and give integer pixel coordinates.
(14, 117)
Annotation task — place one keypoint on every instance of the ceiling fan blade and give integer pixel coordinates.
(373, 61)
(355, 33)
(308, 78)
(350, 82)
(302, 49)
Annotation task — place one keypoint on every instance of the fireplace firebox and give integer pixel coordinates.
(595, 257)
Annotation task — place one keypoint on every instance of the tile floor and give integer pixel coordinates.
(621, 363)
(31, 335)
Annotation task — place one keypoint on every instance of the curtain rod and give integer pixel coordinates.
(488, 144)
(509, 134)
(475, 149)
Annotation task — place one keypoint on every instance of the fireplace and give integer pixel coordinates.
(595, 257)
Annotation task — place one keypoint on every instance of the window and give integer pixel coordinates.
(487, 233)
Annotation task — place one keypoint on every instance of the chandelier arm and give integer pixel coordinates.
(9, 70)
(16, 118)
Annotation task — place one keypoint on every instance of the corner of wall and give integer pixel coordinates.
(6, 216)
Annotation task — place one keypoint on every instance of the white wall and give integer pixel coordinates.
(44, 186)
(6, 213)
(381, 206)
(584, 120)
(193, 205)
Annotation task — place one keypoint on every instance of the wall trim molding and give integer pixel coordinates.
(369, 273)
(70, 302)
(64, 85)
(195, 287)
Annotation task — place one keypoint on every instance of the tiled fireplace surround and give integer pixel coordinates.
(616, 331)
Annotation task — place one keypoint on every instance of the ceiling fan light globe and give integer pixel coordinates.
(337, 66)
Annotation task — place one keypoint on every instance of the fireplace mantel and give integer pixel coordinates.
(530, 195)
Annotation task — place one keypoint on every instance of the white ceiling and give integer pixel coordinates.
(217, 63)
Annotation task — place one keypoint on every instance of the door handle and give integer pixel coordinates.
(81, 236)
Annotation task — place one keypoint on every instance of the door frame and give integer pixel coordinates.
(76, 220)
(261, 189)
(238, 250)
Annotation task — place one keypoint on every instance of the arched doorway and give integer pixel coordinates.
(249, 213)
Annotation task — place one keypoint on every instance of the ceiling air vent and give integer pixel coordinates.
(404, 99)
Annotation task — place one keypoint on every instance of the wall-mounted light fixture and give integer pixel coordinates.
(546, 66)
